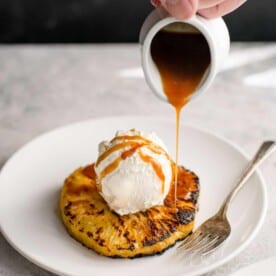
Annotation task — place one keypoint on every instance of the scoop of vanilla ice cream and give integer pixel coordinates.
(134, 171)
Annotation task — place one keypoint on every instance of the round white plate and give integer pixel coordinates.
(265, 267)
(31, 180)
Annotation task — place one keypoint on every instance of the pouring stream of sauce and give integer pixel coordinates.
(182, 60)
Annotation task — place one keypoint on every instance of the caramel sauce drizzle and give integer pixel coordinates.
(182, 60)
(135, 143)
(111, 167)
(157, 168)
(131, 151)
(137, 140)
(113, 149)
(131, 138)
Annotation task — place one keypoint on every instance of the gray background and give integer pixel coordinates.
(44, 87)
(34, 21)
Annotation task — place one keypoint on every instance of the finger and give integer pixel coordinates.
(155, 3)
(221, 9)
(204, 4)
(180, 9)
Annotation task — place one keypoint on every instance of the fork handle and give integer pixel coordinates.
(264, 151)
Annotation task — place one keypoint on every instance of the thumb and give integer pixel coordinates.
(180, 9)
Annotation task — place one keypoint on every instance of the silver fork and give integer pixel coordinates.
(214, 231)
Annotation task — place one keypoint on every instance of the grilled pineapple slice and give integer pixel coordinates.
(88, 218)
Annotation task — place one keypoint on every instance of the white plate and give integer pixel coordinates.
(264, 267)
(31, 180)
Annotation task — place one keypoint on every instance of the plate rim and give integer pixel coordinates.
(262, 183)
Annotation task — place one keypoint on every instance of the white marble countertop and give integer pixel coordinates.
(43, 87)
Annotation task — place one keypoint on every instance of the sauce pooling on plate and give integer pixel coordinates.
(182, 60)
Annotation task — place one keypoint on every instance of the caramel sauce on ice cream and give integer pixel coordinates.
(134, 171)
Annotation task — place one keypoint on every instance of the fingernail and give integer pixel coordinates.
(243, 2)
(155, 3)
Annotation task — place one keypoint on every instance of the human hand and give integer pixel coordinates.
(184, 9)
